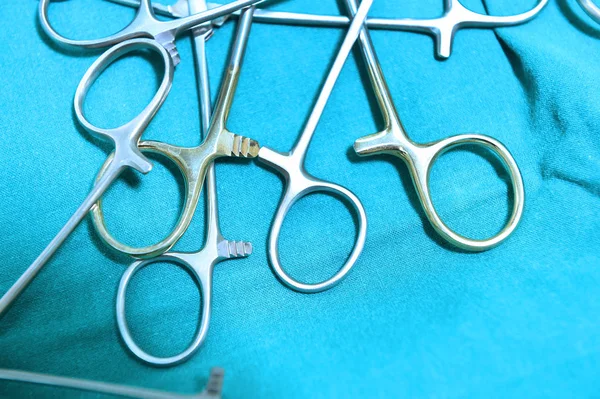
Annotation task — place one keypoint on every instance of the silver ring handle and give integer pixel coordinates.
(289, 199)
(204, 282)
(127, 136)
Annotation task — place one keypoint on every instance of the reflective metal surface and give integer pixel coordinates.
(419, 158)
(455, 17)
(591, 9)
(216, 248)
(145, 24)
(219, 141)
(213, 389)
(291, 165)
(126, 154)
(193, 162)
(299, 183)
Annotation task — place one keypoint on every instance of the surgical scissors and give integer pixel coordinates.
(393, 140)
(300, 183)
(216, 248)
(443, 29)
(591, 9)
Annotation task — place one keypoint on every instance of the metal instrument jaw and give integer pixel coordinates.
(214, 386)
(215, 250)
(232, 145)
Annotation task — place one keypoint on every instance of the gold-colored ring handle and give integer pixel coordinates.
(420, 164)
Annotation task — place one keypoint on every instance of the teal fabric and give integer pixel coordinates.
(415, 317)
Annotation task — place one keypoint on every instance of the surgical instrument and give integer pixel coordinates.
(419, 158)
(126, 154)
(212, 390)
(455, 17)
(145, 24)
(193, 162)
(591, 9)
(299, 183)
(216, 248)
(219, 141)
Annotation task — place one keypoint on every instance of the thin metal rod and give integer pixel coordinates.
(238, 50)
(86, 385)
(212, 390)
(268, 16)
(201, 65)
(381, 89)
(98, 190)
(355, 28)
(226, 94)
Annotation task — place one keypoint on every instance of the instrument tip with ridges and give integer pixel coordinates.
(244, 147)
(214, 387)
(238, 249)
(172, 49)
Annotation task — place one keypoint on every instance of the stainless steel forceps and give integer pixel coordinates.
(145, 24)
(126, 154)
(393, 140)
(300, 183)
(216, 248)
(193, 163)
(443, 28)
(219, 141)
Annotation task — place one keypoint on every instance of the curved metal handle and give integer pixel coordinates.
(145, 24)
(591, 9)
(126, 137)
(420, 162)
(204, 282)
(477, 20)
(296, 190)
(193, 167)
(455, 17)
(133, 30)
(194, 162)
